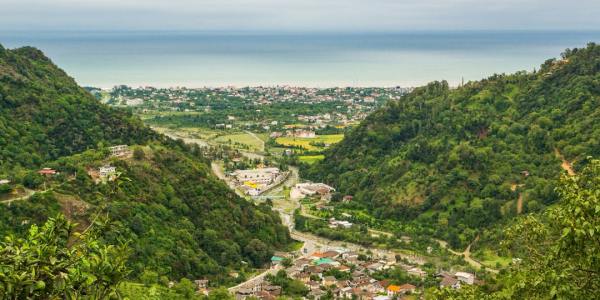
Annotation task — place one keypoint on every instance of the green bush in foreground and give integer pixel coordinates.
(55, 262)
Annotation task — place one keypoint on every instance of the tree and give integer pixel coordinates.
(55, 262)
(220, 294)
(138, 153)
(560, 249)
(258, 252)
(186, 288)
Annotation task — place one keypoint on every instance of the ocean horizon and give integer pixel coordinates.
(215, 59)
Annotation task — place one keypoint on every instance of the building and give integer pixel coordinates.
(107, 172)
(448, 281)
(258, 176)
(333, 223)
(119, 150)
(329, 280)
(302, 190)
(4, 181)
(47, 172)
(465, 277)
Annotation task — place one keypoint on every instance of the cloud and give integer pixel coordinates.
(301, 15)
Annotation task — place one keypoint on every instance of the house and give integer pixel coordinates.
(333, 223)
(264, 295)
(326, 261)
(347, 198)
(272, 289)
(416, 272)
(276, 260)
(449, 281)
(201, 283)
(329, 280)
(465, 277)
(344, 268)
(350, 256)
(407, 288)
(307, 134)
(107, 173)
(47, 172)
(243, 293)
(330, 254)
(375, 267)
(393, 290)
(313, 285)
(4, 181)
(119, 150)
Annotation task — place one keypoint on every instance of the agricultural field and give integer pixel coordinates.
(311, 159)
(243, 139)
(309, 143)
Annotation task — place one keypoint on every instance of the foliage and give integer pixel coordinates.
(181, 220)
(444, 161)
(54, 262)
(561, 248)
(44, 114)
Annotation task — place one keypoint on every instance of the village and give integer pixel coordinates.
(340, 273)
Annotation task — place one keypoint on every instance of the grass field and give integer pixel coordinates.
(306, 142)
(311, 159)
(241, 138)
(489, 259)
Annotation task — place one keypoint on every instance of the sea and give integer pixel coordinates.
(367, 59)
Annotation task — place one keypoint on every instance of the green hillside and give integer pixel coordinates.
(449, 162)
(177, 218)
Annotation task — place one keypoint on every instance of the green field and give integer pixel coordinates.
(306, 142)
(241, 138)
(490, 259)
(311, 159)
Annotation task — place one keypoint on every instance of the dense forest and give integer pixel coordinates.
(175, 217)
(450, 162)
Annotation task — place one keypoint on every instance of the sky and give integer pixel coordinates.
(299, 15)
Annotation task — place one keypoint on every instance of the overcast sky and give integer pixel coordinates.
(299, 15)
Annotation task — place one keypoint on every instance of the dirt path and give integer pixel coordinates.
(520, 204)
(28, 194)
(566, 165)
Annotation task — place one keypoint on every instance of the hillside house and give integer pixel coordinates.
(465, 277)
(107, 173)
(119, 150)
(47, 172)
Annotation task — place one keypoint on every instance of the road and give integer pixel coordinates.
(314, 243)
(218, 171)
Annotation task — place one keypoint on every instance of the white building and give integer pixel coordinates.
(257, 176)
(465, 277)
(4, 181)
(119, 150)
(302, 190)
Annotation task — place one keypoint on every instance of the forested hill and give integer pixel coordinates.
(176, 217)
(456, 160)
(44, 114)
